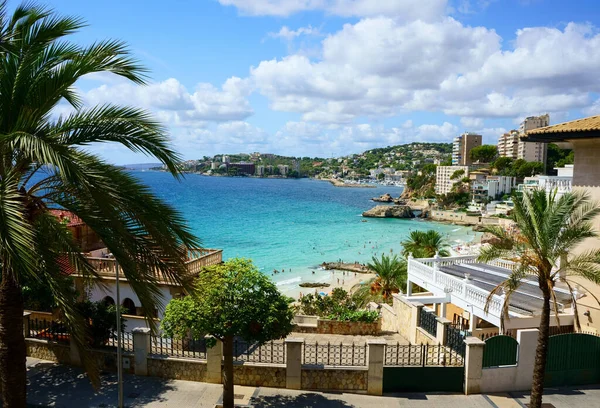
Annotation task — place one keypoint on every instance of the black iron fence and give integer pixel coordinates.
(170, 347)
(423, 355)
(48, 330)
(126, 341)
(271, 352)
(455, 339)
(428, 322)
(351, 355)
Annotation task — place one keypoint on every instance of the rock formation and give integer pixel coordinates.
(391, 211)
(386, 198)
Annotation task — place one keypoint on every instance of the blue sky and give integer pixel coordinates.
(333, 77)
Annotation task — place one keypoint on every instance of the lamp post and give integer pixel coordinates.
(119, 339)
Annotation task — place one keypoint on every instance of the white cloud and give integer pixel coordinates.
(472, 122)
(405, 9)
(381, 66)
(288, 35)
(171, 101)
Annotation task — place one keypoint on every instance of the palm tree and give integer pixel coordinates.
(44, 164)
(547, 229)
(425, 244)
(391, 277)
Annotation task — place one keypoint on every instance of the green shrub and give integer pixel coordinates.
(366, 316)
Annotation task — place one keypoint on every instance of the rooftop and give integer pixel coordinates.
(70, 218)
(575, 129)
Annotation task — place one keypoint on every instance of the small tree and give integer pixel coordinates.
(425, 244)
(230, 300)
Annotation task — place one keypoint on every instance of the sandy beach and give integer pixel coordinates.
(337, 279)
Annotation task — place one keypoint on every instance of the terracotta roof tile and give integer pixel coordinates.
(71, 218)
(591, 123)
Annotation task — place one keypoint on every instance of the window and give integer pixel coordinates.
(128, 307)
(108, 300)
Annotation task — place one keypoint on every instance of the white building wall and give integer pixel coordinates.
(97, 293)
(443, 183)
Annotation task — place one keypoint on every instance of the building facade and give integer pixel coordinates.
(443, 178)
(508, 144)
(462, 146)
(533, 151)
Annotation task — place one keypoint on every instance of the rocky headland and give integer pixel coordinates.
(389, 211)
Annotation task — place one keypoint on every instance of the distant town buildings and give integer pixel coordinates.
(462, 146)
(242, 168)
(260, 171)
(443, 180)
(561, 183)
(492, 187)
(225, 159)
(510, 144)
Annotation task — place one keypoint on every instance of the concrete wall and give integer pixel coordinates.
(388, 318)
(423, 337)
(352, 379)
(513, 378)
(403, 310)
(456, 217)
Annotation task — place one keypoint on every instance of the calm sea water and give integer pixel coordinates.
(288, 224)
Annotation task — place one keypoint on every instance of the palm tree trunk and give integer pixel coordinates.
(13, 372)
(541, 353)
(228, 372)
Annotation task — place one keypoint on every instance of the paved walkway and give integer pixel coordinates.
(53, 385)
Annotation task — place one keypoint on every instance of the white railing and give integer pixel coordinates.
(470, 294)
(199, 258)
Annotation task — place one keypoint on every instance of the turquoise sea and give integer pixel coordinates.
(293, 225)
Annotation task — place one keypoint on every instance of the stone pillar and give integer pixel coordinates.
(442, 324)
(527, 340)
(408, 288)
(74, 356)
(414, 321)
(293, 359)
(214, 361)
(26, 320)
(376, 360)
(473, 365)
(141, 349)
(443, 310)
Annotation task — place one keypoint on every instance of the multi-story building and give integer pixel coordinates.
(283, 169)
(242, 168)
(508, 144)
(492, 187)
(532, 151)
(561, 184)
(260, 171)
(462, 146)
(443, 179)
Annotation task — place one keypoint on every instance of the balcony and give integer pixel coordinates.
(198, 258)
(466, 283)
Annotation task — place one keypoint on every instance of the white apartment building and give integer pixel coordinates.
(443, 181)
(561, 183)
(492, 186)
(533, 151)
(508, 144)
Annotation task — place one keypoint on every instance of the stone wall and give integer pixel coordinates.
(259, 375)
(424, 338)
(354, 379)
(388, 318)
(177, 368)
(349, 328)
(44, 350)
(403, 309)
(106, 360)
(325, 326)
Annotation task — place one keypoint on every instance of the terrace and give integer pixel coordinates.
(467, 284)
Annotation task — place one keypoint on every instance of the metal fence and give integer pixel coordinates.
(48, 330)
(428, 322)
(351, 355)
(271, 352)
(126, 341)
(455, 339)
(423, 355)
(169, 347)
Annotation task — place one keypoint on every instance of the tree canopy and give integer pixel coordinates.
(484, 153)
(230, 299)
(425, 244)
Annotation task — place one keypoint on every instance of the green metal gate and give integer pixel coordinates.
(421, 368)
(500, 351)
(573, 359)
